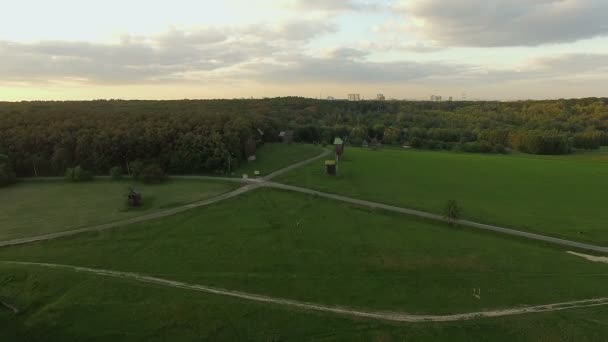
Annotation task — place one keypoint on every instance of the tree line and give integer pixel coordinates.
(47, 138)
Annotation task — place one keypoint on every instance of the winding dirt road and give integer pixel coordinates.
(344, 311)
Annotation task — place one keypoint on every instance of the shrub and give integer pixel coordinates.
(116, 173)
(7, 175)
(416, 143)
(78, 174)
(500, 149)
(152, 173)
(452, 211)
(135, 168)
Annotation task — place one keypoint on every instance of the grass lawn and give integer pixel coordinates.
(59, 305)
(305, 248)
(39, 207)
(275, 156)
(562, 196)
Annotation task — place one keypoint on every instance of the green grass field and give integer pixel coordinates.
(68, 306)
(39, 207)
(562, 196)
(294, 246)
(274, 156)
(300, 247)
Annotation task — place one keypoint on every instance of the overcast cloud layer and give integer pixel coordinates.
(490, 23)
(429, 44)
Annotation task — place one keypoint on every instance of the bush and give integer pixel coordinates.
(500, 149)
(116, 173)
(135, 168)
(152, 173)
(452, 211)
(7, 175)
(78, 174)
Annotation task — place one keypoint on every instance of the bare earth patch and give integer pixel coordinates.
(591, 257)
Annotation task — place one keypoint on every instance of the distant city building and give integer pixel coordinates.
(436, 98)
(451, 99)
(380, 97)
(330, 98)
(354, 97)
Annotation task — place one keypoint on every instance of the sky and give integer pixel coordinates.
(404, 49)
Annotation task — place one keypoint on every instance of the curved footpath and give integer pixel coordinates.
(386, 316)
(251, 184)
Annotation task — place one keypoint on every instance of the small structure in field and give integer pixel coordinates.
(331, 167)
(339, 148)
(134, 198)
(365, 144)
(286, 137)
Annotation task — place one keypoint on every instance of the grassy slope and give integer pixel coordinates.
(337, 255)
(561, 196)
(65, 306)
(272, 157)
(39, 207)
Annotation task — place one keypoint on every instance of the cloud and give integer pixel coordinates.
(136, 59)
(350, 66)
(573, 63)
(493, 23)
(334, 5)
(301, 30)
(347, 66)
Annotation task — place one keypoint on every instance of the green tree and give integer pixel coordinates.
(78, 174)
(7, 175)
(452, 211)
(116, 173)
(135, 168)
(153, 173)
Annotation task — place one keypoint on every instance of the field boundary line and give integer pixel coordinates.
(343, 311)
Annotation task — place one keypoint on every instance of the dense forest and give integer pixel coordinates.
(46, 138)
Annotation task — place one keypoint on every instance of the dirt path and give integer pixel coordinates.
(591, 257)
(325, 153)
(10, 307)
(344, 311)
(435, 217)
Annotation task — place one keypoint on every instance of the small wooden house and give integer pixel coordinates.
(331, 167)
(339, 148)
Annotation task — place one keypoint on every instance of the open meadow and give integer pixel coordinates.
(284, 246)
(320, 251)
(38, 207)
(61, 305)
(301, 248)
(561, 196)
(271, 157)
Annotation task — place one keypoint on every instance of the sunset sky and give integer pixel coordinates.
(135, 49)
